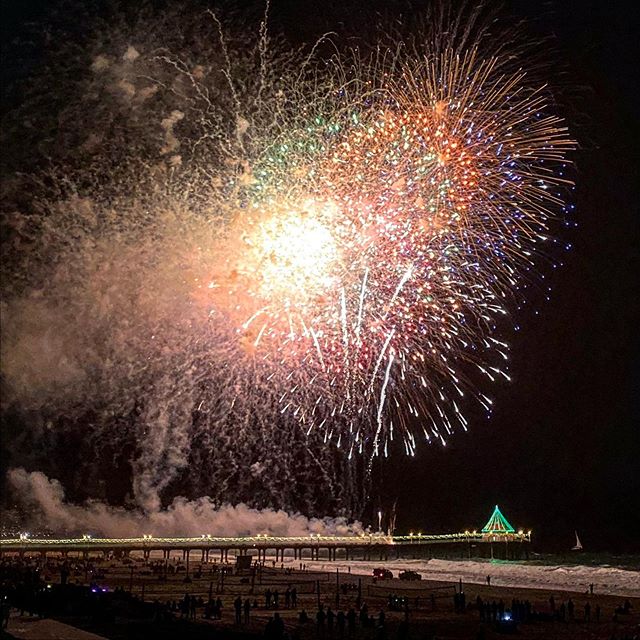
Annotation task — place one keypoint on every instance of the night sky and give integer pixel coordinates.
(562, 449)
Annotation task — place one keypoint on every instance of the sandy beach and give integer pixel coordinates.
(429, 612)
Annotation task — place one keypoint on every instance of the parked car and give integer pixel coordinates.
(410, 575)
(382, 574)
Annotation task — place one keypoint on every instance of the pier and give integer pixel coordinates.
(497, 539)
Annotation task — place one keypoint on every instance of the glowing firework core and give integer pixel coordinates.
(293, 255)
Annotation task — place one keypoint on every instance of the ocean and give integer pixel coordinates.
(608, 573)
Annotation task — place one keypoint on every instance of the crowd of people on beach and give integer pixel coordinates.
(272, 598)
(344, 623)
(39, 587)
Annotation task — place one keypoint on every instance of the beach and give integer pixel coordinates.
(431, 609)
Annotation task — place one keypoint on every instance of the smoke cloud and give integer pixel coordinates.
(182, 517)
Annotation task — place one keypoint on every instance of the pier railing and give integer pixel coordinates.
(150, 542)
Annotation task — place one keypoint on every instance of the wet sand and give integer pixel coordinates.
(26, 628)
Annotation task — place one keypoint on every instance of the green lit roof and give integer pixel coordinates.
(497, 523)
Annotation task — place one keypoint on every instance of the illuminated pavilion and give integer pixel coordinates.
(498, 528)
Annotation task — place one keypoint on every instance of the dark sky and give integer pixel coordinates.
(562, 449)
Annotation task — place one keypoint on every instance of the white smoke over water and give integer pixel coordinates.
(181, 518)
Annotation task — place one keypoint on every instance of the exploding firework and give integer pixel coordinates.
(293, 256)
(384, 239)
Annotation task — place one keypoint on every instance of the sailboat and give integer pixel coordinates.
(578, 545)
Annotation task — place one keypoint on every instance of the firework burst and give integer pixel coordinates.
(385, 238)
(322, 248)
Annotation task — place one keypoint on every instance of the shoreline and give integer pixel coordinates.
(431, 611)
(427, 618)
(509, 574)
